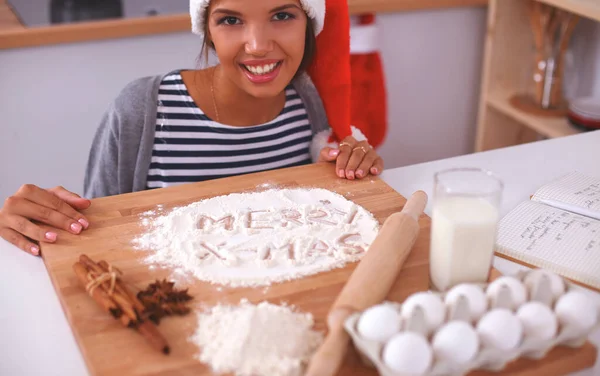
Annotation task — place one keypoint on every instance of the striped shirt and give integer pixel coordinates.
(191, 147)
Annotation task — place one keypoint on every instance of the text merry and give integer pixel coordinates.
(281, 218)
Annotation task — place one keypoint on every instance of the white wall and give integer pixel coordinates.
(433, 66)
(52, 99)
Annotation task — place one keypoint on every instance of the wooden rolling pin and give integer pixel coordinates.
(370, 282)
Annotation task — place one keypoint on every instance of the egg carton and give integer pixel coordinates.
(504, 294)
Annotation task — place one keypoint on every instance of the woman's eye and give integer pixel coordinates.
(283, 16)
(229, 20)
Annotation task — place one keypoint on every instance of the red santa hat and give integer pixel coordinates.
(330, 70)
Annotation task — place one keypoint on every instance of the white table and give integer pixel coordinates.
(35, 338)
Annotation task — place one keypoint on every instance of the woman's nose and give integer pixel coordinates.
(258, 42)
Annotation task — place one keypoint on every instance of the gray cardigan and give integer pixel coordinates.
(120, 154)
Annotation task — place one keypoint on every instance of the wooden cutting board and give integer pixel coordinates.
(110, 349)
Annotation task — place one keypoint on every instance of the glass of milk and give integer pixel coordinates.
(465, 214)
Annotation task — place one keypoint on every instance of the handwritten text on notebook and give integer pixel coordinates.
(590, 195)
(553, 238)
(556, 224)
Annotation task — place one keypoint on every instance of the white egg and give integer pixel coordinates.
(379, 323)
(577, 311)
(539, 322)
(500, 329)
(432, 305)
(408, 353)
(475, 297)
(557, 284)
(517, 289)
(456, 342)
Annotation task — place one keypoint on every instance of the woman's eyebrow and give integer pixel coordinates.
(284, 7)
(235, 13)
(226, 11)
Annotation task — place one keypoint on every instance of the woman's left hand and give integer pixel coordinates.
(354, 159)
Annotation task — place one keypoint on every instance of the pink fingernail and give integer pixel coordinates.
(374, 170)
(35, 250)
(334, 153)
(350, 174)
(51, 236)
(341, 173)
(84, 223)
(359, 173)
(76, 227)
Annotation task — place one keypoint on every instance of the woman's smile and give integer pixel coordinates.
(261, 71)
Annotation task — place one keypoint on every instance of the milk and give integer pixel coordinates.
(463, 235)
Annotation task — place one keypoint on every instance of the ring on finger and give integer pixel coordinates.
(363, 148)
(344, 144)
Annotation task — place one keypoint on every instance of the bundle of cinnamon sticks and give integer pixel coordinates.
(103, 283)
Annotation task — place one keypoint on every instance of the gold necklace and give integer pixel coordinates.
(212, 90)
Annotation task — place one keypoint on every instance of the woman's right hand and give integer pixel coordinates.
(54, 207)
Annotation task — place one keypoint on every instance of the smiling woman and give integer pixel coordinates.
(260, 49)
(278, 98)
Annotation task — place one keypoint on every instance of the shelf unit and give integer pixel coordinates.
(550, 127)
(508, 50)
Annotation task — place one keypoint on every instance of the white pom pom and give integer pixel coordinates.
(357, 134)
(319, 141)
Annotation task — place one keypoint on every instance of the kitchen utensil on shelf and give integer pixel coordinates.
(552, 29)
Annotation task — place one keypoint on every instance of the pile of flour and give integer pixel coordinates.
(256, 340)
(258, 238)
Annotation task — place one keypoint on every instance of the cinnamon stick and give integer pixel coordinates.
(98, 295)
(124, 290)
(150, 332)
(126, 312)
(119, 296)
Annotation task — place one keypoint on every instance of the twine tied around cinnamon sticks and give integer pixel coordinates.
(96, 280)
(103, 283)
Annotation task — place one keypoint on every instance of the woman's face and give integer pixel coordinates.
(259, 43)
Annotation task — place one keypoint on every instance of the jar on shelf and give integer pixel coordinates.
(543, 76)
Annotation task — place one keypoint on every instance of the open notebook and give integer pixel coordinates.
(558, 229)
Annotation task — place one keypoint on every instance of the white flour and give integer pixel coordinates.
(255, 239)
(256, 340)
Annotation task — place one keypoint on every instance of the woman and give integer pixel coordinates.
(257, 110)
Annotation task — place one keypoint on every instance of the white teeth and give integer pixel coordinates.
(263, 69)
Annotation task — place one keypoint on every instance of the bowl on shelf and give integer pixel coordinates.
(584, 113)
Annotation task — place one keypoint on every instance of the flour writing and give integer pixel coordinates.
(255, 239)
(284, 218)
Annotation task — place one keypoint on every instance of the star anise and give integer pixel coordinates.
(161, 299)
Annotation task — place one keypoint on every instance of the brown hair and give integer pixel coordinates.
(310, 45)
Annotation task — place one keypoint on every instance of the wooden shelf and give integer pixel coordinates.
(14, 35)
(585, 8)
(508, 61)
(384, 6)
(550, 127)
(8, 19)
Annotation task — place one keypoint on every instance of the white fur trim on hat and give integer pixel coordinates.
(315, 9)
(321, 140)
